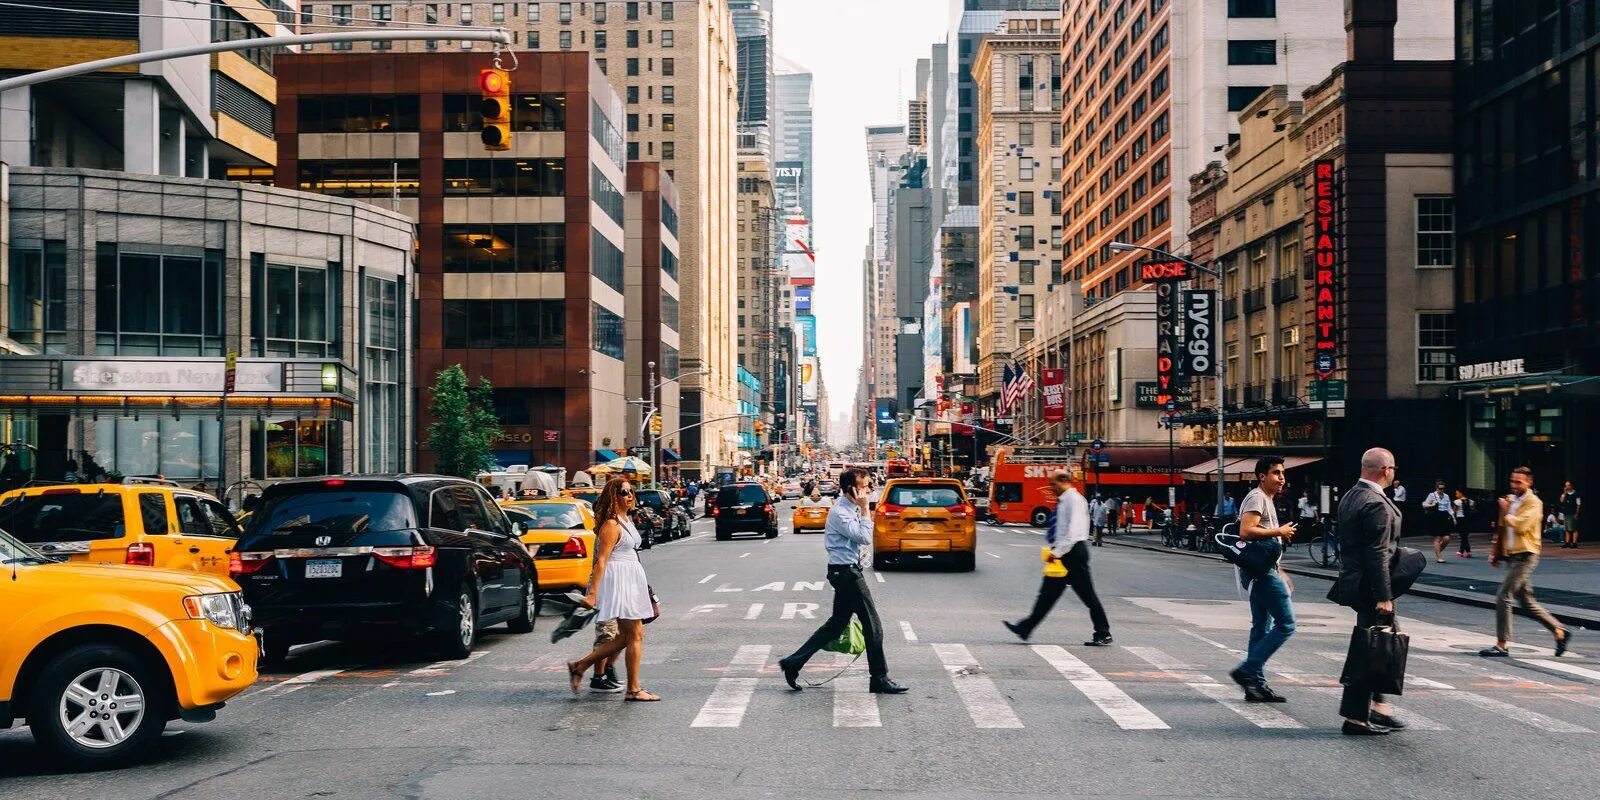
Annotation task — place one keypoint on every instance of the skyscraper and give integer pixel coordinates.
(792, 138)
(977, 19)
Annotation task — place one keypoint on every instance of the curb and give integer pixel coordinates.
(1578, 617)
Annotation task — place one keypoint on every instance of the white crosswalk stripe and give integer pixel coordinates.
(1562, 666)
(978, 692)
(726, 706)
(1413, 681)
(1474, 669)
(853, 705)
(442, 667)
(1122, 709)
(1229, 697)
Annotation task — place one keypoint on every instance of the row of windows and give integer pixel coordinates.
(384, 12)
(150, 304)
(535, 247)
(535, 111)
(504, 323)
(610, 333)
(606, 259)
(535, 177)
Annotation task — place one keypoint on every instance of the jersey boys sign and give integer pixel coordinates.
(1052, 385)
(1325, 251)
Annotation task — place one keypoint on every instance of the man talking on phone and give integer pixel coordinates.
(846, 536)
(1271, 613)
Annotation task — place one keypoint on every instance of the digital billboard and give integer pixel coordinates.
(884, 417)
(808, 334)
(802, 299)
(798, 259)
(808, 379)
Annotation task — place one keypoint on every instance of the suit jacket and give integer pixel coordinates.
(1369, 533)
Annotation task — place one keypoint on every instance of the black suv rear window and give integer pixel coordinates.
(741, 495)
(64, 517)
(340, 512)
(924, 496)
(652, 498)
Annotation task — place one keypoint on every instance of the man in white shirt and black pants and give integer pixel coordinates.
(1068, 537)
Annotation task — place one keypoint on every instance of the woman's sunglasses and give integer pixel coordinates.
(626, 492)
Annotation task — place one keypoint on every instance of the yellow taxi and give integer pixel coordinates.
(588, 494)
(809, 516)
(142, 525)
(560, 533)
(920, 519)
(97, 659)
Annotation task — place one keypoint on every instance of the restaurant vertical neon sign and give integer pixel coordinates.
(1325, 254)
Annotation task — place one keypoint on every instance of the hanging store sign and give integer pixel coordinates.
(1510, 367)
(1156, 271)
(1167, 339)
(1053, 387)
(128, 375)
(1325, 250)
(1146, 394)
(1199, 309)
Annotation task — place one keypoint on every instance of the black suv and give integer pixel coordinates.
(674, 520)
(352, 557)
(745, 507)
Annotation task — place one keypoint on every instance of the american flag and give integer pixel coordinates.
(1017, 385)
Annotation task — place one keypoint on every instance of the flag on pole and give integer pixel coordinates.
(1018, 384)
(1003, 407)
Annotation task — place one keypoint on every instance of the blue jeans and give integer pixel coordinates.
(1271, 623)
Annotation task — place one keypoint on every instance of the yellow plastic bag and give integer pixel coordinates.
(1053, 568)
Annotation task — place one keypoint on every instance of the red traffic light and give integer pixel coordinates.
(494, 81)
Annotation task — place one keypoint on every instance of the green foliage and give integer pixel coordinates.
(464, 425)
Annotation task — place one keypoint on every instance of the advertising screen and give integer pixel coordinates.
(802, 299)
(808, 379)
(808, 334)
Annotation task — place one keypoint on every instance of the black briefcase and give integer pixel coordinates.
(1405, 568)
(1377, 657)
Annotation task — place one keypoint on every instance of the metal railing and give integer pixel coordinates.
(1285, 289)
(1255, 299)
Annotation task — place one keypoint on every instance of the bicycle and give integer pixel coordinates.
(1324, 550)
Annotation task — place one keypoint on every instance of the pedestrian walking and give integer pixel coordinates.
(1439, 518)
(1150, 513)
(1271, 612)
(1067, 536)
(1518, 545)
(1308, 510)
(846, 534)
(1100, 512)
(1369, 531)
(1114, 513)
(1571, 505)
(618, 589)
(1463, 509)
(605, 670)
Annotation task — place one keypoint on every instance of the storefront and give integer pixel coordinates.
(1543, 421)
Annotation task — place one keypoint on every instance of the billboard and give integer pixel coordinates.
(1052, 384)
(798, 259)
(961, 340)
(790, 172)
(802, 299)
(1326, 250)
(808, 334)
(808, 379)
(884, 416)
(1198, 308)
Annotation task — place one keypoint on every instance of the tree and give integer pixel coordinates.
(464, 424)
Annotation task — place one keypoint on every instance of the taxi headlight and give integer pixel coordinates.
(224, 610)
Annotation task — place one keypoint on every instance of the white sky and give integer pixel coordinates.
(863, 56)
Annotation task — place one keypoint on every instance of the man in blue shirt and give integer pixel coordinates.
(846, 536)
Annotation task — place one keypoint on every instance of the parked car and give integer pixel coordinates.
(140, 524)
(154, 644)
(355, 557)
(745, 507)
(675, 520)
(560, 534)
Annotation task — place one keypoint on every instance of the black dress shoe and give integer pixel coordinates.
(1563, 642)
(1356, 729)
(1099, 641)
(1240, 678)
(1385, 721)
(1021, 632)
(1262, 693)
(791, 674)
(886, 686)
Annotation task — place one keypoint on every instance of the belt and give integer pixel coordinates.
(844, 568)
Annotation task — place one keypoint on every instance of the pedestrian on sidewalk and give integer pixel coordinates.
(1271, 613)
(1518, 545)
(1100, 511)
(1439, 518)
(1571, 505)
(1308, 511)
(1464, 511)
(846, 534)
(1369, 534)
(618, 589)
(1067, 535)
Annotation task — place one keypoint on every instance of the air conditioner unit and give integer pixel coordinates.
(1290, 336)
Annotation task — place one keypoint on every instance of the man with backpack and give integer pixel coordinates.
(1271, 614)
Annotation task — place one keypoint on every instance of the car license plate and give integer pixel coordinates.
(324, 568)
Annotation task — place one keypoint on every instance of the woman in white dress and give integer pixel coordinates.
(617, 587)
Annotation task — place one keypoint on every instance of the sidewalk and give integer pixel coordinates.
(1567, 582)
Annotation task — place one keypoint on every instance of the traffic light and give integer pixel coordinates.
(655, 424)
(495, 84)
(760, 427)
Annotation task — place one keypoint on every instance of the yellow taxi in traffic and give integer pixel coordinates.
(588, 494)
(920, 519)
(98, 658)
(811, 515)
(560, 533)
(136, 524)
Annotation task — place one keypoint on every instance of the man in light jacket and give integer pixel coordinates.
(1518, 544)
(1067, 534)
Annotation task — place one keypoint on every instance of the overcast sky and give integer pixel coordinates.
(863, 55)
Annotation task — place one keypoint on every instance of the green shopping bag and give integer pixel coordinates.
(850, 641)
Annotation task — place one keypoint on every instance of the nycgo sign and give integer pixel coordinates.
(1198, 315)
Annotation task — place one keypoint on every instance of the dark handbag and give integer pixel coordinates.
(1377, 658)
(1253, 557)
(655, 605)
(1404, 569)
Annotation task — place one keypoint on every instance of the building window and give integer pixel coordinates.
(633, 151)
(563, 13)
(297, 310)
(1025, 202)
(533, 38)
(667, 11)
(39, 296)
(361, 177)
(1025, 169)
(669, 67)
(669, 220)
(666, 38)
(669, 150)
(632, 37)
(537, 177)
(529, 112)
(610, 334)
(1436, 346)
(600, 14)
(604, 194)
(669, 122)
(600, 39)
(1252, 8)
(380, 397)
(497, 12)
(359, 113)
(564, 40)
(1436, 234)
(466, 14)
(633, 94)
(1252, 51)
(150, 305)
(1158, 85)
(669, 95)
(1025, 307)
(607, 135)
(1025, 237)
(504, 323)
(533, 12)
(669, 260)
(1241, 96)
(341, 13)
(1025, 134)
(527, 247)
(632, 10)
(605, 260)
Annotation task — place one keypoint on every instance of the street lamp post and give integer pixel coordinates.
(1216, 351)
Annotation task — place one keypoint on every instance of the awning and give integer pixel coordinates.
(1294, 462)
(670, 455)
(603, 456)
(1241, 468)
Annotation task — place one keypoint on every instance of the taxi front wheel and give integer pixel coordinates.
(99, 706)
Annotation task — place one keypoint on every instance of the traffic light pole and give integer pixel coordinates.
(497, 36)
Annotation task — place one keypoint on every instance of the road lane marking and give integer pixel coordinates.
(1514, 681)
(726, 706)
(802, 610)
(1411, 718)
(755, 611)
(905, 628)
(744, 555)
(441, 667)
(1259, 715)
(298, 682)
(1122, 709)
(853, 705)
(1509, 711)
(1414, 680)
(978, 692)
(991, 555)
(878, 575)
(707, 579)
(1559, 666)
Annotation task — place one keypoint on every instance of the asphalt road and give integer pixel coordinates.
(987, 716)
